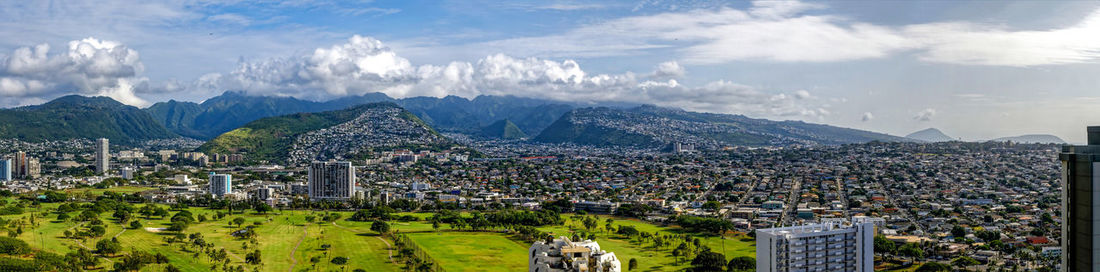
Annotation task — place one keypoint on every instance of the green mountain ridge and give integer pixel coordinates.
(649, 126)
(331, 134)
(80, 117)
(503, 129)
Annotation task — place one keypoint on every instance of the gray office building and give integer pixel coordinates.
(1080, 200)
(331, 180)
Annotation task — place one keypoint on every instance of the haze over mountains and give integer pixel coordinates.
(242, 121)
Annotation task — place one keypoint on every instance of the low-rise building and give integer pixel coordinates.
(562, 255)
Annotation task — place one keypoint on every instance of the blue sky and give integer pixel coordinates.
(976, 70)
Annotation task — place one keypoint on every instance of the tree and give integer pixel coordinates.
(964, 261)
(171, 268)
(253, 258)
(135, 224)
(741, 263)
(239, 221)
(933, 267)
(958, 231)
(339, 260)
(709, 261)
(435, 225)
(380, 226)
(12, 246)
(108, 247)
(912, 250)
(632, 264)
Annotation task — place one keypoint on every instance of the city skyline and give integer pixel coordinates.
(976, 70)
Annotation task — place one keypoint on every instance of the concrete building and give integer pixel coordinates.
(563, 255)
(331, 180)
(102, 155)
(221, 184)
(127, 172)
(34, 168)
(20, 161)
(263, 193)
(5, 170)
(816, 247)
(182, 179)
(1081, 198)
(600, 207)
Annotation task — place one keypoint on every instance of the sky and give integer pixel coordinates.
(975, 70)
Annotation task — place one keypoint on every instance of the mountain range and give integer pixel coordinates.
(1032, 139)
(75, 117)
(302, 137)
(656, 127)
(230, 110)
(237, 122)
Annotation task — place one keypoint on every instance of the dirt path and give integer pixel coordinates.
(389, 247)
(293, 261)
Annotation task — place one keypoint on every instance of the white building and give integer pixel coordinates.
(221, 184)
(182, 179)
(102, 155)
(817, 247)
(127, 172)
(563, 255)
(331, 180)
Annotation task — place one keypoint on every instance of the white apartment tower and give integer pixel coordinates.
(102, 155)
(221, 184)
(817, 247)
(331, 180)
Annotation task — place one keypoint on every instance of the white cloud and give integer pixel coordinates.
(783, 31)
(925, 115)
(668, 70)
(969, 43)
(89, 67)
(867, 117)
(364, 65)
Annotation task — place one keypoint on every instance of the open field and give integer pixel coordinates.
(651, 258)
(473, 251)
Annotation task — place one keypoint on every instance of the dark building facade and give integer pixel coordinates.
(1080, 201)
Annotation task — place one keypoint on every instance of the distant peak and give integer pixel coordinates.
(930, 135)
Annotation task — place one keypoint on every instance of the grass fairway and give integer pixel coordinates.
(651, 258)
(278, 236)
(473, 251)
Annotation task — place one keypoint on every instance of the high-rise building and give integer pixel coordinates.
(102, 155)
(331, 180)
(5, 170)
(221, 184)
(1080, 200)
(34, 168)
(20, 170)
(816, 247)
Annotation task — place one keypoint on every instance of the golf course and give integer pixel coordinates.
(316, 240)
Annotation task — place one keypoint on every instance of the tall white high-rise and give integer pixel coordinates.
(221, 184)
(331, 180)
(102, 155)
(831, 246)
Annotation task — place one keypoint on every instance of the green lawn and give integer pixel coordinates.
(473, 251)
(280, 232)
(651, 258)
